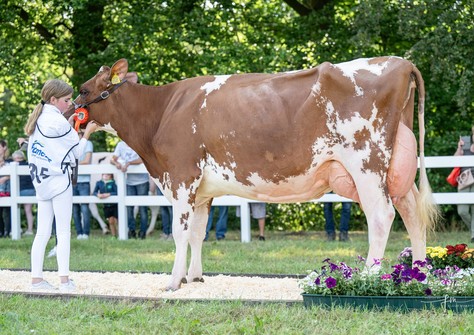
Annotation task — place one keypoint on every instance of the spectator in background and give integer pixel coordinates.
(5, 212)
(26, 190)
(137, 184)
(258, 211)
(466, 211)
(99, 158)
(166, 215)
(81, 212)
(221, 224)
(103, 189)
(344, 225)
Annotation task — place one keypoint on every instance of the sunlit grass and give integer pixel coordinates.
(282, 253)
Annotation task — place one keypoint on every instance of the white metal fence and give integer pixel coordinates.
(15, 201)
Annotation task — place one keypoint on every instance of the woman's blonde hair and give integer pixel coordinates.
(52, 88)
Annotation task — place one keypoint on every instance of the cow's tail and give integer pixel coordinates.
(427, 211)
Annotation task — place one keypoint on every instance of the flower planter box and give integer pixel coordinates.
(457, 304)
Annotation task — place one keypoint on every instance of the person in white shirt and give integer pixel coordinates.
(137, 184)
(53, 148)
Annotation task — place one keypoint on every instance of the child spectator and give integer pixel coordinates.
(103, 189)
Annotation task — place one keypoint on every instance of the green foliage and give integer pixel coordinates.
(172, 40)
(309, 216)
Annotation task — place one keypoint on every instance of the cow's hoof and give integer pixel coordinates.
(198, 280)
(184, 281)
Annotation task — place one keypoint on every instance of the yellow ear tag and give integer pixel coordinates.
(115, 79)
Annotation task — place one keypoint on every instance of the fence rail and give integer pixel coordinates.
(14, 201)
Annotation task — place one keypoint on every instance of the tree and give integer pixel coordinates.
(166, 41)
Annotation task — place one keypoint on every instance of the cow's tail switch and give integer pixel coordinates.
(427, 210)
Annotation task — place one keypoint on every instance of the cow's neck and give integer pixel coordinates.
(135, 115)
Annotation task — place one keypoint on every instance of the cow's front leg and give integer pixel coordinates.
(198, 232)
(182, 215)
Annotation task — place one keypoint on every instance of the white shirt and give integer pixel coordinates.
(52, 148)
(125, 155)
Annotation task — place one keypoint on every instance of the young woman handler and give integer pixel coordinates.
(53, 148)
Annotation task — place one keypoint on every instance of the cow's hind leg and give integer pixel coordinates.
(379, 212)
(380, 215)
(406, 207)
(198, 232)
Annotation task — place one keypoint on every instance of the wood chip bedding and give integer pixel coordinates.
(147, 285)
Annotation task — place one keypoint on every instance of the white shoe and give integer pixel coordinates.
(43, 286)
(68, 287)
(85, 237)
(28, 233)
(52, 252)
(80, 237)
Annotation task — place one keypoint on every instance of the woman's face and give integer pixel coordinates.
(62, 103)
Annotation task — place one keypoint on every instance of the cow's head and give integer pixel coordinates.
(99, 88)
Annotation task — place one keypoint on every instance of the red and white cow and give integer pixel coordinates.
(284, 137)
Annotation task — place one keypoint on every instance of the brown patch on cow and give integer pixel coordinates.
(376, 164)
(361, 137)
(184, 220)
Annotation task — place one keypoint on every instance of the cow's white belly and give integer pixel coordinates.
(219, 181)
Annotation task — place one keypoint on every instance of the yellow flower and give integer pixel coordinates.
(469, 253)
(436, 252)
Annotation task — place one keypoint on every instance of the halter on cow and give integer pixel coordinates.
(285, 137)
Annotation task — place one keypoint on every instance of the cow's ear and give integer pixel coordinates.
(104, 73)
(118, 71)
(132, 77)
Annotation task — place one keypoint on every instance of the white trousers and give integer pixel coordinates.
(59, 207)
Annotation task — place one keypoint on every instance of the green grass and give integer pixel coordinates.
(282, 253)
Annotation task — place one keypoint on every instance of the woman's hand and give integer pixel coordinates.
(90, 128)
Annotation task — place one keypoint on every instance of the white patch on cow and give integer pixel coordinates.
(220, 180)
(213, 86)
(293, 71)
(350, 69)
(316, 89)
(193, 127)
(108, 128)
(165, 186)
(352, 159)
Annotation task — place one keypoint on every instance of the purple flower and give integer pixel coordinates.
(420, 276)
(386, 276)
(428, 291)
(346, 271)
(407, 275)
(318, 281)
(330, 282)
(420, 264)
(405, 253)
(445, 281)
(333, 267)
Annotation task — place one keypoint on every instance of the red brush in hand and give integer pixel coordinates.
(81, 116)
